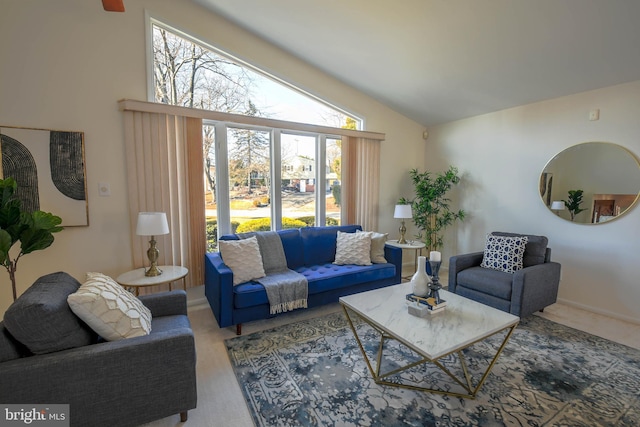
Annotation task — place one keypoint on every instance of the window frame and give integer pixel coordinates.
(275, 146)
(222, 121)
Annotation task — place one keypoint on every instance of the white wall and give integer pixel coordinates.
(501, 156)
(64, 64)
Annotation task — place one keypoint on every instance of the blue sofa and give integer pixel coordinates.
(309, 251)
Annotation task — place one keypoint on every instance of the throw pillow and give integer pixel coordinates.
(378, 241)
(504, 253)
(243, 258)
(536, 250)
(41, 320)
(353, 248)
(109, 309)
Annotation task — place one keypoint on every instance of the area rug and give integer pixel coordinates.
(312, 373)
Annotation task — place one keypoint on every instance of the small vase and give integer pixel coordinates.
(420, 280)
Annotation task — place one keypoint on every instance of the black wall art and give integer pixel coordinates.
(49, 167)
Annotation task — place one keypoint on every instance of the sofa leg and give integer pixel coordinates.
(183, 416)
(542, 310)
(239, 329)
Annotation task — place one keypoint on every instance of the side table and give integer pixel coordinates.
(416, 247)
(135, 279)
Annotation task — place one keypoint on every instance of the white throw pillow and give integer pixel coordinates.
(378, 241)
(504, 253)
(243, 258)
(353, 248)
(110, 310)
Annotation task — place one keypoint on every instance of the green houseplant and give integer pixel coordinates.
(34, 230)
(431, 211)
(573, 203)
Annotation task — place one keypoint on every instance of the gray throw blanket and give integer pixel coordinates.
(286, 289)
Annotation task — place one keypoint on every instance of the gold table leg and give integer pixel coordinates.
(465, 383)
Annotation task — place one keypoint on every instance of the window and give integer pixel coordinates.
(245, 182)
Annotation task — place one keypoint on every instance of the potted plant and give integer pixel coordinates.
(431, 211)
(573, 203)
(34, 230)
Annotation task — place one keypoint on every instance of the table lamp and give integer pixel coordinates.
(152, 224)
(402, 211)
(557, 206)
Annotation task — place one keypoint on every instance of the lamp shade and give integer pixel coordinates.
(152, 224)
(402, 211)
(557, 205)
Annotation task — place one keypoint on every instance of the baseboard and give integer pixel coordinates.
(595, 310)
(197, 301)
(195, 296)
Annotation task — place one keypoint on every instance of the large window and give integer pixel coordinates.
(256, 178)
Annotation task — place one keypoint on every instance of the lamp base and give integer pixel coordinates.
(153, 271)
(152, 254)
(402, 230)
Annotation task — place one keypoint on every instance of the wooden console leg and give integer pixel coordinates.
(239, 329)
(183, 416)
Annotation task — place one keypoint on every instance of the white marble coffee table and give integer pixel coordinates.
(462, 323)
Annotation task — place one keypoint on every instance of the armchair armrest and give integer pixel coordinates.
(218, 288)
(166, 303)
(458, 263)
(534, 288)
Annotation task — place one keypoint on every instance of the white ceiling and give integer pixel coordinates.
(441, 60)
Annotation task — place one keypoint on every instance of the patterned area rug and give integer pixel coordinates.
(312, 373)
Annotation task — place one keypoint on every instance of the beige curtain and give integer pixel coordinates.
(360, 181)
(165, 174)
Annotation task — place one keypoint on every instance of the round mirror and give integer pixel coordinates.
(591, 183)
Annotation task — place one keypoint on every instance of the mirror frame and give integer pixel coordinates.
(546, 181)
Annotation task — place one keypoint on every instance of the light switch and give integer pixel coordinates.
(104, 189)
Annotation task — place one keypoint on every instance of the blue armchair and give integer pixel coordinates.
(521, 293)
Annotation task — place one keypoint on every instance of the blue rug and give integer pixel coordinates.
(312, 373)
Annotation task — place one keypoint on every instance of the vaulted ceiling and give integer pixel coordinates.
(437, 61)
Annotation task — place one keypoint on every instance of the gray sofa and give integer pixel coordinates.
(119, 383)
(522, 293)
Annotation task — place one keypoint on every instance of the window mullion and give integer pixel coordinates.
(276, 179)
(222, 179)
(321, 181)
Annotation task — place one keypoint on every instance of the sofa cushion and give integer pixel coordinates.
(41, 319)
(488, 281)
(378, 240)
(321, 278)
(535, 251)
(292, 245)
(319, 243)
(110, 310)
(243, 258)
(353, 248)
(486, 299)
(504, 253)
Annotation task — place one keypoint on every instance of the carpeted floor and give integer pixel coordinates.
(312, 373)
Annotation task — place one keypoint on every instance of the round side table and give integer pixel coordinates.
(416, 247)
(135, 279)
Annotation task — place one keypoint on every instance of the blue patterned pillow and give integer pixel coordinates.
(504, 253)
